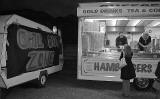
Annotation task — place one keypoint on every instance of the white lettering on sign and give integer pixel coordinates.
(27, 39)
(39, 59)
(52, 41)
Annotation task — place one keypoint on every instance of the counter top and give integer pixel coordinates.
(116, 54)
(146, 55)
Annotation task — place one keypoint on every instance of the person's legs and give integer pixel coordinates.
(126, 87)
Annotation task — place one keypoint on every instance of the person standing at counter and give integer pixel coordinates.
(144, 41)
(156, 84)
(121, 40)
(128, 71)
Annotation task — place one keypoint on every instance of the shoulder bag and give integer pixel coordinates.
(122, 61)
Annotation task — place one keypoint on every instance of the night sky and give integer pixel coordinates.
(55, 8)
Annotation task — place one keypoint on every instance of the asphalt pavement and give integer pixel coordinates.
(64, 85)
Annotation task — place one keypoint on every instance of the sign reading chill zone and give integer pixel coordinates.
(30, 49)
(118, 11)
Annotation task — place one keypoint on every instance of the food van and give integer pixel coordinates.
(101, 23)
(29, 51)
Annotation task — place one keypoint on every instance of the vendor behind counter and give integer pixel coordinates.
(121, 40)
(144, 42)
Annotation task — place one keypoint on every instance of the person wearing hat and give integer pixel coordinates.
(144, 41)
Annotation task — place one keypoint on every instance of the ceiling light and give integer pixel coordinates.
(133, 22)
(154, 23)
(91, 20)
(113, 22)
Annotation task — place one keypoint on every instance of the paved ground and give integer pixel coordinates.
(65, 86)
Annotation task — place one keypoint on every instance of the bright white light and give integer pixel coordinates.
(121, 18)
(154, 23)
(136, 22)
(89, 20)
(109, 76)
(133, 22)
(54, 29)
(92, 20)
(113, 22)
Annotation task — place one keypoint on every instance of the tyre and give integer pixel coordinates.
(142, 83)
(41, 82)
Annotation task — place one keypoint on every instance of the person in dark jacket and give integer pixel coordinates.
(157, 71)
(157, 74)
(128, 71)
(121, 40)
(144, 41)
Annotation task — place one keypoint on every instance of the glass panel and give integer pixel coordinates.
(100, 36)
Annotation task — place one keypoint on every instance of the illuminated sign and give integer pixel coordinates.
(118, 11)
(101, 66)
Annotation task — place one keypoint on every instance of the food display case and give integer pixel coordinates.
(99, 26)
